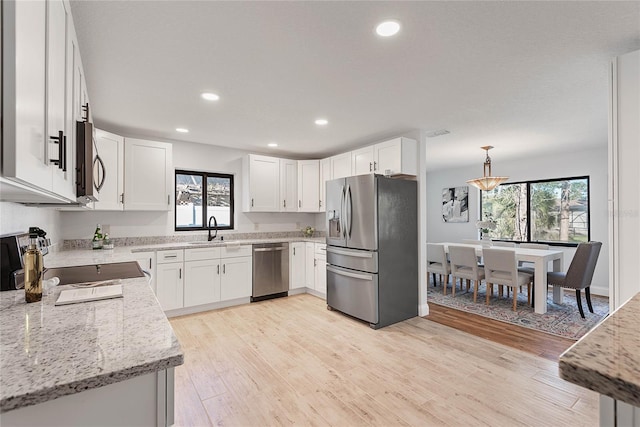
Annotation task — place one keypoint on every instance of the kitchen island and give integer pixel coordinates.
(104, 362)
(607, 360)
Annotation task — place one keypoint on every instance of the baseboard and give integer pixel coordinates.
(423, 310)
(599, 290)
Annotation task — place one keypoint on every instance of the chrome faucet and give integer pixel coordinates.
(215, 224)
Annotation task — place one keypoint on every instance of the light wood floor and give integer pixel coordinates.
(291, 361)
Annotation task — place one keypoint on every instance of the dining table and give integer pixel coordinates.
(540, 259)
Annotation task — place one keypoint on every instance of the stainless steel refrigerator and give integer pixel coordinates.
(372, 248)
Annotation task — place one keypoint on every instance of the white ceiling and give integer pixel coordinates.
(525, 77)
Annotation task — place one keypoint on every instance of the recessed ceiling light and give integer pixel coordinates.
(182, 130)
(388, 28)
(272, 144)
(210, 96)
(322, 122)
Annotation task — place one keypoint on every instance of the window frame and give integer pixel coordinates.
(204, 176)
(538, 181)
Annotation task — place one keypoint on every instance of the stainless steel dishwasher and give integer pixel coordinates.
(270, 271)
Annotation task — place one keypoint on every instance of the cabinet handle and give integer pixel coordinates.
(284, 203)
(251, 202)
(375, 166)
(294, 251)
(58, 140)
(370, 167)
(168, 199)
(180, 273)
(299, 203)
(122, 198)
(224, 269)
(315, 262)
(319, 203)
(170, 256)
(149, 263)
(64, 153)
(218, 269)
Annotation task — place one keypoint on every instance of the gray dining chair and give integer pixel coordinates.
(501, 268)
(437, 263)
(528, 267)
(580, 272)
(464, 265)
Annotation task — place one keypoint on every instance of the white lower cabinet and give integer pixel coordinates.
(170, 285)
(309, 274)
(320, 268)
(201, 282)
(236, 278)
(297, 263)
(147, 262)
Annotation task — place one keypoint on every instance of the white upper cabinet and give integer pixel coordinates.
(288, 185)
(325, 175)
(261, 184)
(148, 175)
(341, 165)
(110, 148)
(362, 160)
(396, 157)
(308, 185)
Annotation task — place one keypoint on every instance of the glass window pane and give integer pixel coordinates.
(506, 205)
(219, 200)
(560, 211)
(188, 200)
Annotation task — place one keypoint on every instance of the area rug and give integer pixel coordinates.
(560, 319)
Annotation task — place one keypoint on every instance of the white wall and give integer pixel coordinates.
(592, 163)
(16, 218)
(199, 157)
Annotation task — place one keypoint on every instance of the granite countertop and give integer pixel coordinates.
(607, 359)
(51, 351)
(223, 243)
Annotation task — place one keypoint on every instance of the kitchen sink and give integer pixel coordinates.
(199, 243)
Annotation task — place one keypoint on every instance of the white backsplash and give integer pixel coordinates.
(15, 217)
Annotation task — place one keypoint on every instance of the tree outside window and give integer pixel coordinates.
(192, 195)
(550, 211)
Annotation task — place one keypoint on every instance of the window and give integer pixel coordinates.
(554, 211)
(194, 190)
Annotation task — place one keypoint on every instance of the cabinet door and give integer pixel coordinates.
(325, 175)
(310, 262)
(362, 161)
(288, 185)
(297, 265)
(308, 185)
(147, 262)
(148, 175)
(320, 273)
(63, 180)
(341, 165)
(236, 278)
(201, 282)
(110, 148)
(262, 174)
(398, 156)
(170, 285)
(24, 154)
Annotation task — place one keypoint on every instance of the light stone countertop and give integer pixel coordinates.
(221, 243)
(607, 359)
(51, 351)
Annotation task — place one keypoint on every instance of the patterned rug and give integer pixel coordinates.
(560, 319)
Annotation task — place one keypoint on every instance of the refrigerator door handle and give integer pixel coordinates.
(350, 203)
(343, 217)
(350, 274)
(354, 254)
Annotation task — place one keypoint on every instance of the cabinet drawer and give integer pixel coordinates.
(235, 251)
(200, 254)
(321, 248)
(170, 256)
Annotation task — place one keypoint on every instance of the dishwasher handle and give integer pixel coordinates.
(278, 248)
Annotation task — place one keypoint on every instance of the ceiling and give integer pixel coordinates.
(525, 77)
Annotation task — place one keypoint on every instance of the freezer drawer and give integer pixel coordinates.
(353, 259)
(353, 292)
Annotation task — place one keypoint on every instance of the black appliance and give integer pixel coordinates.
(12, 247)
(90, 169)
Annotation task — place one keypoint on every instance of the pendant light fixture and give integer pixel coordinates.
(487, 182)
